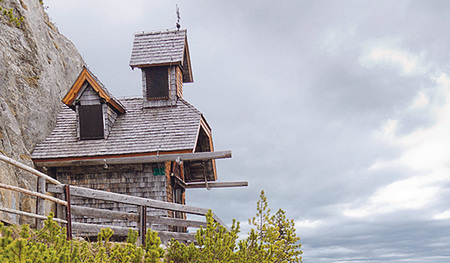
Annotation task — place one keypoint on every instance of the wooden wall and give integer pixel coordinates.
(135, 179)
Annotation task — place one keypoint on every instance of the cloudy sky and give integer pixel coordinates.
(339, 110)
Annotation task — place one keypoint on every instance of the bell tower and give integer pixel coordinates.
(163, 58)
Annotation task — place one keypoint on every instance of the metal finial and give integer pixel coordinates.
(178, 18)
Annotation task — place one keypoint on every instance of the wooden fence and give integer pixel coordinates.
(63, 203)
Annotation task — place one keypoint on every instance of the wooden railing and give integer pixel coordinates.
(63, 203)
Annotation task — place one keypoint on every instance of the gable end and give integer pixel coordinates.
(79, 86)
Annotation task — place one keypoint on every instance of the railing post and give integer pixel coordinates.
(68, 212)
(40, 202)
(142, 223)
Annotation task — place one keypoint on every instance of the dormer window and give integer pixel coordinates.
(90, 119)
(96, 108)
(157, 83)
(89, 107)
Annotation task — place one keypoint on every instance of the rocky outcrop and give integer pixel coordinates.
(38, 66)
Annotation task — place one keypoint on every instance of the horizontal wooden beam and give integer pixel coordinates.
(175, 222)
(28, 192)
(28, 169)
(216, 184)
(136, 159)
(103, 213)
(134, 200)
(84, 228)
(17, 212)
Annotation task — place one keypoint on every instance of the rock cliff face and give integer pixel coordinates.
(38, 66)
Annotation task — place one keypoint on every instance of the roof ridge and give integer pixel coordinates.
(159, 32)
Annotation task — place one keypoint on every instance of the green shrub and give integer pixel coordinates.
(50, 244)
(273, 239)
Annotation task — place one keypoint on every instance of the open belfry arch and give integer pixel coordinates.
(155, 146)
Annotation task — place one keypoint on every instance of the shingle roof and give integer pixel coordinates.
(156, 48)
(139, 130)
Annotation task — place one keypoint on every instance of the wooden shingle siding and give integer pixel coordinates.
(89, 97)
(110, 117)
(179, 82)
(136, 180)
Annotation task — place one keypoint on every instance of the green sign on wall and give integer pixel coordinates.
(158, 171)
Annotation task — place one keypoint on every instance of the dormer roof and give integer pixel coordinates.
(163, 48)
(77, 88)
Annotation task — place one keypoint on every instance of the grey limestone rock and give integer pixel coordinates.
(38, 66)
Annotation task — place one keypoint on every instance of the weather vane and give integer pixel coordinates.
(178, 18)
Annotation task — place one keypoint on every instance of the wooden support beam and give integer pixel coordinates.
(42, 217)
(137, 159)
(68, 212)
(28, 192)
(28, 169)
(40, 203)
(142, 224)
(60, 209)
(216, 184)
